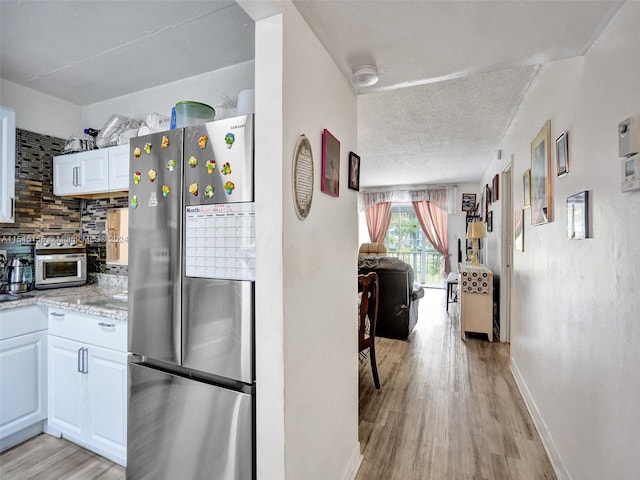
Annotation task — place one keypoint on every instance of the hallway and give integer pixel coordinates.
(447, 409)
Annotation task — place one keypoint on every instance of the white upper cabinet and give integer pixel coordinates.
(95, 171)
(7, 164)
(119, 168)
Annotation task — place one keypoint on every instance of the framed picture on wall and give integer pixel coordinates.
(541, 196)
(518, 230)
(562, 154)
(495, 187)
(468, 202)
(330, 164)
(490, 221)
(578, 216)
(526, 187)
(354, 171)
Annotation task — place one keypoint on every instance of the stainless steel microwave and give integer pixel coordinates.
(60, 262)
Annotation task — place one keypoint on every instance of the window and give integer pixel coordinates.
(406, 241)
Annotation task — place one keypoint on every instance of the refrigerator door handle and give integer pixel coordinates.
(85, 359)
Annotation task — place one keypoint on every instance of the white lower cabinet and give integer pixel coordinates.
(23, 374)
(88, 382)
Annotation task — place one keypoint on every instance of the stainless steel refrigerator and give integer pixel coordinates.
(191, 303)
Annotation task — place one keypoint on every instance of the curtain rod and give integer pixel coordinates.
(396, 188)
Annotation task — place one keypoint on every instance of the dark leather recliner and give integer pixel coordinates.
(398, 296)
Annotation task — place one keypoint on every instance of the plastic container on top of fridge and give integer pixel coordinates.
(193, 113)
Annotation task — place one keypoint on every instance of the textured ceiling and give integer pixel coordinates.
(442, 132)
(453, 74)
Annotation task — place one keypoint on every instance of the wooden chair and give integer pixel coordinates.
(368, 287)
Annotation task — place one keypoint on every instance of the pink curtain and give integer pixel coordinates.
(433, 221)
(378, 217)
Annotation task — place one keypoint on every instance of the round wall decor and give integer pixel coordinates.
(302, 177)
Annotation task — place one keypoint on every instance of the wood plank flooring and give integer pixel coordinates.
(447, 409)
(49, 458)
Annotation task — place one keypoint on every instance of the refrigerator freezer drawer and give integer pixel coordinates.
(217, 327)
(183, 428)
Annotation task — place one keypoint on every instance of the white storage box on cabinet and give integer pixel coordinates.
(23, 374)
(88, 381)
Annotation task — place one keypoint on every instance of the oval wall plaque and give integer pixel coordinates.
(303, 177)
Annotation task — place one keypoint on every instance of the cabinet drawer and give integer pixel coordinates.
(22, 320)
(91, 329)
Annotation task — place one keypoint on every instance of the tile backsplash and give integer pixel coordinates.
(39, 213)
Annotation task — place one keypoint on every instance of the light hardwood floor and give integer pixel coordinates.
(447, 409)
(49, 458)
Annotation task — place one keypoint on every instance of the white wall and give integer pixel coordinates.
(48, 115)
(320, 269)
(575, 327)
(270, 198)
(306, 289)
(208, 88)
(37, 112)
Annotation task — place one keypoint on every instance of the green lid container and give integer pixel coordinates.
(193, 113)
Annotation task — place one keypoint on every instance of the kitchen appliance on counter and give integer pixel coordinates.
(18, 277)
(60, 262)
(191, 303)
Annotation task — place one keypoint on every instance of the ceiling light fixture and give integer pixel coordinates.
(365, 76)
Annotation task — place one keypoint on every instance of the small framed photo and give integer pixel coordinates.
(354, 171)
(518, 230)
(495, 187)
(330, 164)
(490, 221)
(526, 187)
(468, 202)
(578, 216)
(562, 154)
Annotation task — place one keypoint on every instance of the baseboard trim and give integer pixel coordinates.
(354, 464)
(543, 431)
(21, 436)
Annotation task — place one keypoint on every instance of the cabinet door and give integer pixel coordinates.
(23, 392)
(66, 387)
(94, 171)
(106, 421)
(65, 174)
(7, 164)
(119, 168)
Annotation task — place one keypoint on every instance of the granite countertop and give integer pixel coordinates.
(95, 299)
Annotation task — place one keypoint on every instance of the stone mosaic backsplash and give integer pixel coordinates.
(39, 213)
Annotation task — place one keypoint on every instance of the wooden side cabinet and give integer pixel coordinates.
(476, 300)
